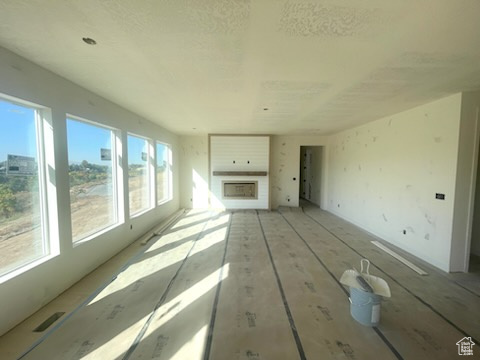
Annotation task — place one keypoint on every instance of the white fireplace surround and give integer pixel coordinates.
(239, 159)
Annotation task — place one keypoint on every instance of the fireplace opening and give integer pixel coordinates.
(239, 189)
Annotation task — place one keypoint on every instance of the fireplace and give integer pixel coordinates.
(239, 171)
(239, 190)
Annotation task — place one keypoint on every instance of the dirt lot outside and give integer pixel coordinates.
(92, 209)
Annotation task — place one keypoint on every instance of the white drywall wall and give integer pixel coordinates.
(194, 172)
(465, 182)
(27, 292)
(383, 176)
(285, 167)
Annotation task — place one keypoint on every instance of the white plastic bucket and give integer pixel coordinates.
(365, 307)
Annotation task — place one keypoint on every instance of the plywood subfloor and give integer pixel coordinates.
(258, 285)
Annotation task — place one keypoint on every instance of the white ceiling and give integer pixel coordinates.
(215, 65)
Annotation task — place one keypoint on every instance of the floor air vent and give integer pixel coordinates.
(44, 326)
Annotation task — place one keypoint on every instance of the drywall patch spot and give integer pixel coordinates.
(429, 219)
(318, 19)
(427, 237)
(214, 17)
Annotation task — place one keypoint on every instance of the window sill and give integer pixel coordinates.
(24, 268)
(163, 202)
(140, 213)
(95, 235)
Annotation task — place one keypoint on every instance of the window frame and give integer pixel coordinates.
(117, 178)
(151, 173)
(48, 204)
(168, 170)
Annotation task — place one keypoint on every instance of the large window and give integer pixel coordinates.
(23, 208)
(93, 180)
(164, 174)
(139, 182)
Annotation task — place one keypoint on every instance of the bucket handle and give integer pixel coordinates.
(367, 266)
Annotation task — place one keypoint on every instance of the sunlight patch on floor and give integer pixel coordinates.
(143, 269)
(176, 305)
(193, 216)
(117, 345)
(197, 342)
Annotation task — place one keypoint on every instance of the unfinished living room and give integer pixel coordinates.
(237, 179)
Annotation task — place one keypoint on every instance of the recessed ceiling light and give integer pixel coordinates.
(89, 41)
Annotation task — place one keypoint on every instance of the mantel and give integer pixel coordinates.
(239, 173)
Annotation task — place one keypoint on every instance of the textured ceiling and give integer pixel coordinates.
(259, 66)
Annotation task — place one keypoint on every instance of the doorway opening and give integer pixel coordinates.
(474, 260)
(310, 174)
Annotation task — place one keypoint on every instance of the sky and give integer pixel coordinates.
(85, 142)
(17, 131)
(17, 137)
